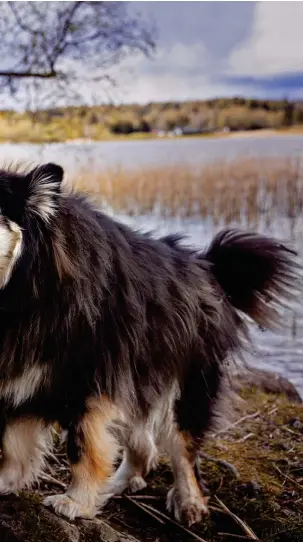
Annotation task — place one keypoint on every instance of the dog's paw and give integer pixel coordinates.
(11, 480)
(136, 483)
(189, 509)
(66, 506)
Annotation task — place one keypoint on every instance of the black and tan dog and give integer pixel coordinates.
(100, 324)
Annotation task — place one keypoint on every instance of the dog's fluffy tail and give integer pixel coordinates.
(257, 276)
(256, 273)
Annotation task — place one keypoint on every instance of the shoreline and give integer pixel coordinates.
(241, 134)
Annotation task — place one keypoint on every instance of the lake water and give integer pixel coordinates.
(192, 151)
(281, 352)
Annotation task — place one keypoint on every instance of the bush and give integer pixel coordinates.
(144, 126)
(299, 116)
(122, 127)
(253, 104)
(288, 118)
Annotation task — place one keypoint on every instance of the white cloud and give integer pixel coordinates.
(166, 87)
(176, 73)
(172, 87)
(182, 57)
(276, 43)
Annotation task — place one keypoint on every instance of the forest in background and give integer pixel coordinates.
(102, 122)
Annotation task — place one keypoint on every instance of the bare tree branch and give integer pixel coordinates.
(26, 74)
(67, 42)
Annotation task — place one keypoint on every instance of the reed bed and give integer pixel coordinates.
(242, 190)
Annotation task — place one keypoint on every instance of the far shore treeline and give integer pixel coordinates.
(154, 119)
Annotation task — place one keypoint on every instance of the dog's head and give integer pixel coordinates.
(25, 199)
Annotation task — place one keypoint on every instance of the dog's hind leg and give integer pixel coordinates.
(185, 499)
(140, 456)
(25, 443)
(141, 439)
(194, 410)
(92, 450)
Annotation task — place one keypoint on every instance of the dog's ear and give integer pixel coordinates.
(44, 184)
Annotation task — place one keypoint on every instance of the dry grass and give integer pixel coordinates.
(244, 189)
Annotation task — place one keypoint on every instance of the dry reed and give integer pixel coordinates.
(243, 189)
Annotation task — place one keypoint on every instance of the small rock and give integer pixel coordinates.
(267, 381)
(296, 423)
(251, 489)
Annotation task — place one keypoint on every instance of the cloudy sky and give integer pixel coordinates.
(208, 49)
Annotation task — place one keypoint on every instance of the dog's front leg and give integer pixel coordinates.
(25, 443)
(91, 451)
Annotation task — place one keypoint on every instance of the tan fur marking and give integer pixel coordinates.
(63, 261)
(100, 447)
(190, 446)
(90, 474)
(185, 498)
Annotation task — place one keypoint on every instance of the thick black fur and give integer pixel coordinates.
(109, 310)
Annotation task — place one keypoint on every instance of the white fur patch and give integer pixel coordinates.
(142, 440)
(20, 389)
(25, 445)
(65, 505)
(121, 479)
(42, 199)
(10, 250)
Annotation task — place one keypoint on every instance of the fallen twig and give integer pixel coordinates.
(51, 480)
(272, 411)
(230, 426)
(288, 477)
(170, 520)
(290, 430)
(144, 508)
(246, 437)
(215, 508)
(238, 536)
(117, 518)
(238, 520)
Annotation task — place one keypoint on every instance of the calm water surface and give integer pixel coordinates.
(192, 151)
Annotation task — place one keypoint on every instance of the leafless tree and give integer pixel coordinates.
(54, 48)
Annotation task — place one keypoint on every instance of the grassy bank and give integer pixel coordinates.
(252, 471)
(256, 494)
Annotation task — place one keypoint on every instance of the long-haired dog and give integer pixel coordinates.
(101, 326)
